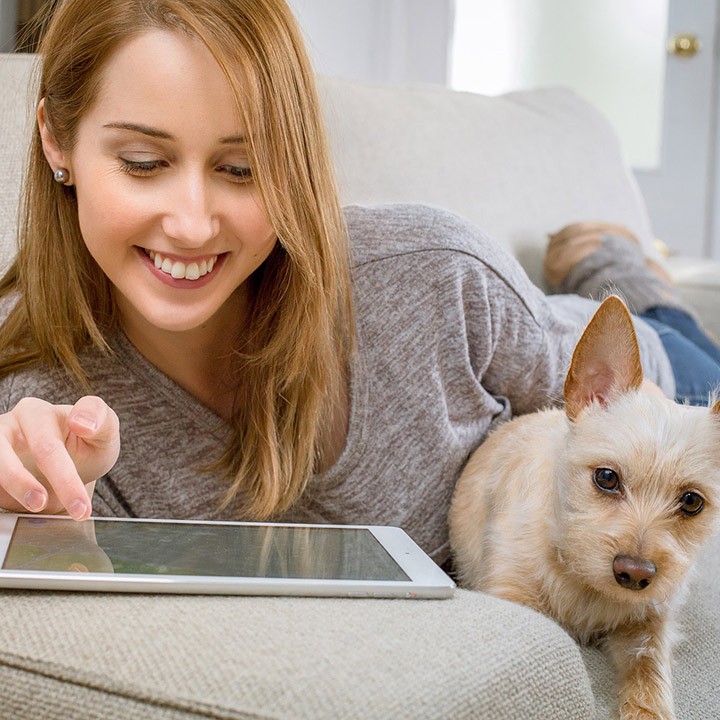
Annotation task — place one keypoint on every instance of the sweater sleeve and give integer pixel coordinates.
(429, 277)
(521, 348)
(525, 339)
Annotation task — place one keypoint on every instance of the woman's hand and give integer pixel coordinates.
(51, 455)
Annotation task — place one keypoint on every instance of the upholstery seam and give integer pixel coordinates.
(55, 672)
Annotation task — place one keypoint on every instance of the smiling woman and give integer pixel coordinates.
(196, 212)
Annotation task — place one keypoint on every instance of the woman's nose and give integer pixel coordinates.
(190, 218)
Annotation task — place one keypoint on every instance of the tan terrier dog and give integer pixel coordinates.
(594, 515)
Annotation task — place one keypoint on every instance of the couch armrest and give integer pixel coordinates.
(698, 282)
(190, 657)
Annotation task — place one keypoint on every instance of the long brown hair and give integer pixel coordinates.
(298, 343)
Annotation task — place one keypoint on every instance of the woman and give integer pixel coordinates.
(294, 196)
(183, 258)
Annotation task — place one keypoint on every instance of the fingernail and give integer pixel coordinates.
(77, 509)
(34, 500)
(87, 421)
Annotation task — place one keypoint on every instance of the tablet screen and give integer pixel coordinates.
(167, 548)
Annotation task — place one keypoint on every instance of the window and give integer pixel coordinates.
(611, 52)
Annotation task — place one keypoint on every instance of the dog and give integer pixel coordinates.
(594, 514)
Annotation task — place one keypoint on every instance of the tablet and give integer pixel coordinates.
(54, 552)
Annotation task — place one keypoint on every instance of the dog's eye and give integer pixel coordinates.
(607, 480)
(691, 503)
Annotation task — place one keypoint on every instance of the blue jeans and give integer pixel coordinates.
(695, 359)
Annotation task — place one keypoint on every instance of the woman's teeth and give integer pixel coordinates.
(179, 270)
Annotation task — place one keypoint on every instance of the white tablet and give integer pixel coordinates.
(53, 552)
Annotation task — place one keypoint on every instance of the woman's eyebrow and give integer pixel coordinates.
(155, 133)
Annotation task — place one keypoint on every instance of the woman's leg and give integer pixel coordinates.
(696, 373)
(686, 325)
(594, 260)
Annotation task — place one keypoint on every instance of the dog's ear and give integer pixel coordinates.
(715, 409)
(606, 360)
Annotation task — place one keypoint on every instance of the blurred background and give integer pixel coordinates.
(651, 66)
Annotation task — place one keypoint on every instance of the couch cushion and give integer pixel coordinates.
(140, 656)
(519, 166)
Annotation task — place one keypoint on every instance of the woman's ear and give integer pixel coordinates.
(53, 154)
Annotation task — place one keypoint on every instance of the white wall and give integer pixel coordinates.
(381, 41)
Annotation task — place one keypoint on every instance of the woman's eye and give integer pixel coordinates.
(243, 174)
(606, 479)
(147, 167)
(132, 167)
(691, 503)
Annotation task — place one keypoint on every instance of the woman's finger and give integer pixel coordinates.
(45, 436)
(18, 481)
(94, 437)
(95, 422)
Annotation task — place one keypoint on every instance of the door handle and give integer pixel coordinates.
(684, 45)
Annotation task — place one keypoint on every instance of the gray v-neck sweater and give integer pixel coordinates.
(452, 338)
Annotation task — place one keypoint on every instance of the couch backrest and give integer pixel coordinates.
(520, 165)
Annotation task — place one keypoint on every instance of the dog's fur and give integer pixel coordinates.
(529, 523)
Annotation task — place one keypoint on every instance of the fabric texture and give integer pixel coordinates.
(520, 166)
(78, 655)
(94, 656)
(687, 326)
(452, 339)
(16, 100)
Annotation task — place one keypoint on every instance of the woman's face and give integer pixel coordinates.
(166, 203)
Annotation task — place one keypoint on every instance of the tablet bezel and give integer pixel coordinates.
(427, 580)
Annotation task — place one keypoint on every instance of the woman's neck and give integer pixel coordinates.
(199, 360)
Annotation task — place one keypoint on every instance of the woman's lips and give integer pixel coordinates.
(193, 269)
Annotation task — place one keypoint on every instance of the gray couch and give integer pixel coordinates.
(520, 166)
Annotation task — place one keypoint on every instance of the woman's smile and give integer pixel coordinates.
(183, 273)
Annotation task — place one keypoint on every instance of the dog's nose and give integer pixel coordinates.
(633, 573)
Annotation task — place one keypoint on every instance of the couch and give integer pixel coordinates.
(521, 166)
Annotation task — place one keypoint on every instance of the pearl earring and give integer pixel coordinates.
(61, 175)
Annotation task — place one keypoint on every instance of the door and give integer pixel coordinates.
(614, 53)
(682, 193)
